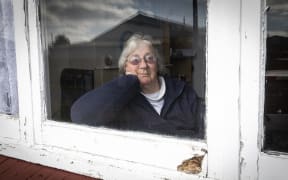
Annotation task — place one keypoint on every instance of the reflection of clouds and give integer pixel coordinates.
(278, 33)
(87, 9)
(82, 20)
(169, 9)
(276, 2)
(277, 17)
(85, 19)
(279, 7)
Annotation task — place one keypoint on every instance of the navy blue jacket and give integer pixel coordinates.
(119, 104)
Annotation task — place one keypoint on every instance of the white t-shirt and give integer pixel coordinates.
(157, 99)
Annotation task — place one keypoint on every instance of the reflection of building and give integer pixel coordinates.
(100, 56)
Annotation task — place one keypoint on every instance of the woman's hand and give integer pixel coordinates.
(130, 73)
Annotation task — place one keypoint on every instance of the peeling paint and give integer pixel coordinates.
(25, 135)
(25, 8)
(242, 164)
(27, 30)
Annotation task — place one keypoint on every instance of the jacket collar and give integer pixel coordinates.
(174, 89)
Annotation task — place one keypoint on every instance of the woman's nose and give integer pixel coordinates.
(143, 64)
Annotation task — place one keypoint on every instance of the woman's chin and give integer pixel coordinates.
(145, 81)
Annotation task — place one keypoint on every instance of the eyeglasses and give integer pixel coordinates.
(148, 58)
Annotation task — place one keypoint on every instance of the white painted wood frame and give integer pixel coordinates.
(255, 163)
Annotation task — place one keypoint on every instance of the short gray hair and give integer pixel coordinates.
(132, 44)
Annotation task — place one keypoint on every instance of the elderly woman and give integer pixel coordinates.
(141, 99)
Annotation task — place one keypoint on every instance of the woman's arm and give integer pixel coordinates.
(101, 106)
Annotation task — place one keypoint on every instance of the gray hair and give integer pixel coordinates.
(132, 44)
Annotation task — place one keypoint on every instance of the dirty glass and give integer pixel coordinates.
(83, 40)
(276, 79)
(8, 75)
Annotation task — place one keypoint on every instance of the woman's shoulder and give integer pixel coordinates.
(174, 84)
(178, 86)
(122, 81)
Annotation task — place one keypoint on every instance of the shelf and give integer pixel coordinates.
(277, 73)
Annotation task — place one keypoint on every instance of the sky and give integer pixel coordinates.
(277, 17)
(84, 20)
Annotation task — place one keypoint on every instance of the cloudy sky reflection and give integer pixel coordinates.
(277, 17)
(84, 20)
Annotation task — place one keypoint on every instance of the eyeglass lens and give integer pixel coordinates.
(148, 58)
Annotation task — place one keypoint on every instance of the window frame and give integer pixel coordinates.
(46, 139)
(14, 126)
(267, 158)
(255, 163)
(12, 132)
(135, 142)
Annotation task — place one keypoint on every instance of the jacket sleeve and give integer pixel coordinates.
(197, 108)
(200, 114)
(101, 106)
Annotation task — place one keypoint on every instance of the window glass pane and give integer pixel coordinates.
(8, 75)
(276, 87)
(83, 42)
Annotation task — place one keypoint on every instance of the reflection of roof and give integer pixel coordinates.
(142, 18)
(156, 19)
(180, 53)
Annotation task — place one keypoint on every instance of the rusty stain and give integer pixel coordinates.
(192, 165)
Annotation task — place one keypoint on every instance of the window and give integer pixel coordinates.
(8, 75)
(276, 79)
(106, 153)
(84, 39)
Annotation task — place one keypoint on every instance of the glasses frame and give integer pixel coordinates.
(136, 59)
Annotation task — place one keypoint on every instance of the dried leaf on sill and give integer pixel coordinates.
(192, 165)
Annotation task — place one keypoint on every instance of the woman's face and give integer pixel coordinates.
(142, 63)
